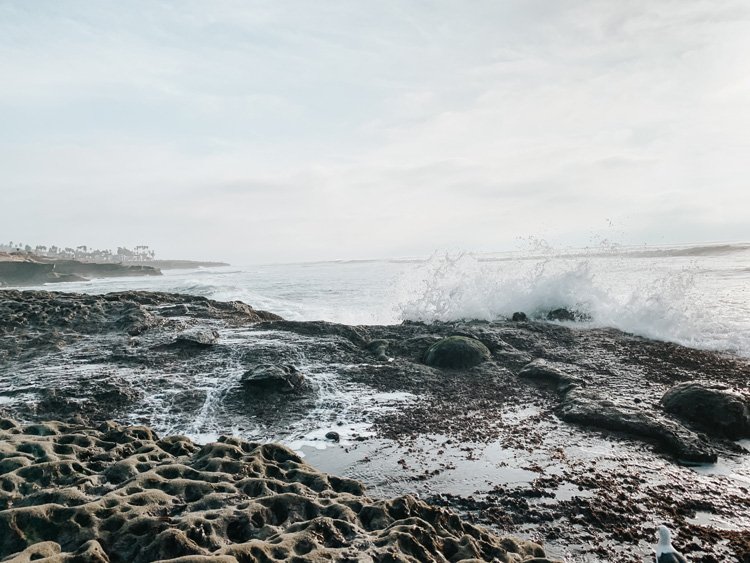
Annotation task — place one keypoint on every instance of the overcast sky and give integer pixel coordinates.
(296, 130)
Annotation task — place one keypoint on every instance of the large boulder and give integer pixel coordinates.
(715, 408)
(456, 352)
(274, 378)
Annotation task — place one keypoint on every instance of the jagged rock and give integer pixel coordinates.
(589, 407)
(354, 334)
(561, 314)
(267, 377)
(456, 352)
(715, 408)
(519, 316)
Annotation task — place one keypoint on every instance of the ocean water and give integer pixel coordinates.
(696, 295)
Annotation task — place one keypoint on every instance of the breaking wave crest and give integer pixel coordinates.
(679, 304)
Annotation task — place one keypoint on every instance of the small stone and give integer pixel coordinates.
(334, 436)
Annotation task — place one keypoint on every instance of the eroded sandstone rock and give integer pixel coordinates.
(75, 493)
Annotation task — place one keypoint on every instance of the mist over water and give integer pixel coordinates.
(698, 296)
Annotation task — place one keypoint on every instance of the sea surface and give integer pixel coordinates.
(696, 295)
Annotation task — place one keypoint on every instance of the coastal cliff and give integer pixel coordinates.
(35, 271)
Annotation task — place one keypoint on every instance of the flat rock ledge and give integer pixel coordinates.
(69, 492)
(591, 405)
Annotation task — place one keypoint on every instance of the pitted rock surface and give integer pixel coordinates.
(70, 492)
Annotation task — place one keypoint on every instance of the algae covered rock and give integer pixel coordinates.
(456, 352)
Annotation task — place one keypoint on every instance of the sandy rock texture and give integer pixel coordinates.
(113, 493)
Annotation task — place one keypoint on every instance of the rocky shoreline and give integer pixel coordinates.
(581, 439)
(38, 271)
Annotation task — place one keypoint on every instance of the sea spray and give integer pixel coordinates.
(676, 300)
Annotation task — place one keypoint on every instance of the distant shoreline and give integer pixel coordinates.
(183, 264)
(28, 269)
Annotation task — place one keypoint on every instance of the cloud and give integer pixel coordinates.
(349, 130)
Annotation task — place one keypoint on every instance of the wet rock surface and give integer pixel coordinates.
(718, 409)
(269, 377)
(559, 434)
(456, 352)
(114, 493)
(197, 337)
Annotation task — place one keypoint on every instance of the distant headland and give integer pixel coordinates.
(21, 264)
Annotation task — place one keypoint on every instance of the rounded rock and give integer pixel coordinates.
(716, 408)
(456, 352)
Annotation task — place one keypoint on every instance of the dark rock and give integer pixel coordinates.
(715, 408)
(199, 336)
(561, 314)
(456, 352)
(550, 373)
(180, 310)
(356, 335)
(519, 317)
(379, 347)
(267, 377)
(333, 436)
(585, 407)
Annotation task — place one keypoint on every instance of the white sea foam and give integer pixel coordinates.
(696, 302)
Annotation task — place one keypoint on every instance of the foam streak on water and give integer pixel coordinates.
(693, 295)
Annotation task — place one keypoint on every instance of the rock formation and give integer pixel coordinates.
(113, 493)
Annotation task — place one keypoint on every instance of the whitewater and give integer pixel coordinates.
(695, 295)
